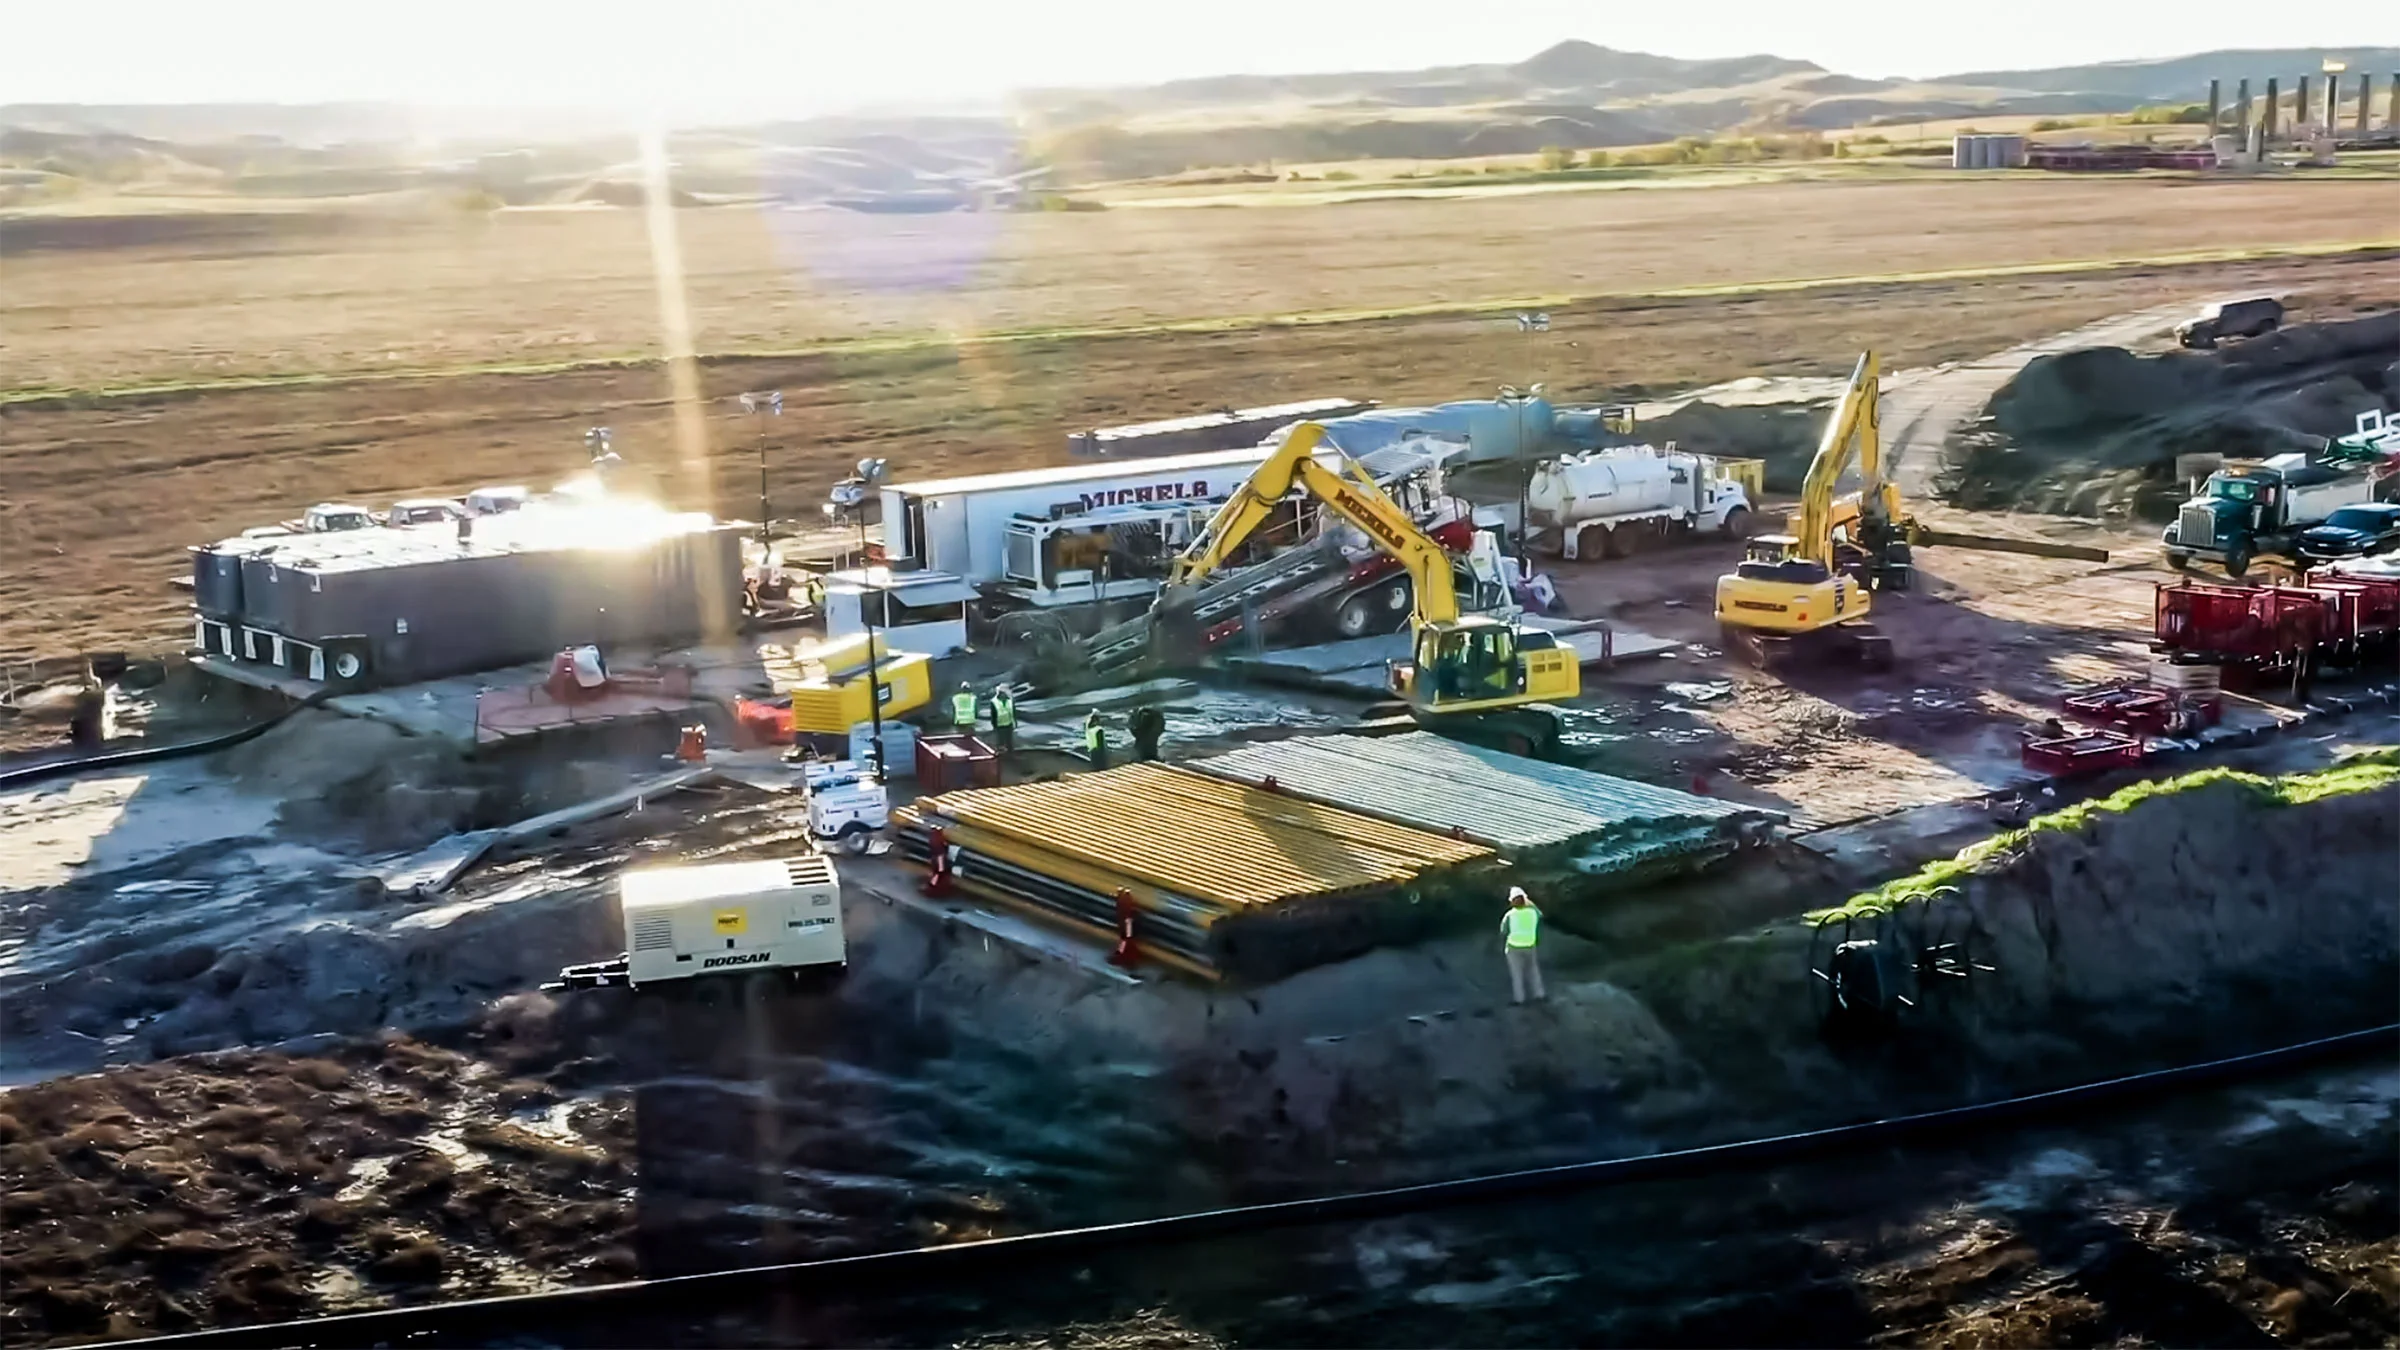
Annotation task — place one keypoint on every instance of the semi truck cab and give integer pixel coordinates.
(2244, 511)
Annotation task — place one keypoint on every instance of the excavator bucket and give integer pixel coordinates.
(1176, 632)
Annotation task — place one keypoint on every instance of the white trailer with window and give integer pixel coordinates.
(912, 611)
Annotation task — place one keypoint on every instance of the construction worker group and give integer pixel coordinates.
(963, 706)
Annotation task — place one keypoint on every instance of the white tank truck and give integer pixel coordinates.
(1608, 503)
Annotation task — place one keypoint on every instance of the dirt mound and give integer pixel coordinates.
(1783, 434)
(2173, 922)
(360, 779)
(377, 788)
(2099, 386)
(260, 1187)
(2097, 431)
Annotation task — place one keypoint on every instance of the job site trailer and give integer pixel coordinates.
(1065, 536)
(714, 919)
(961, 525)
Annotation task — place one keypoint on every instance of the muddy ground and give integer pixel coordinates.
(953, 1087)
(2258, 1216)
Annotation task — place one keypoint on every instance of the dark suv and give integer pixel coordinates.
(2231, 319)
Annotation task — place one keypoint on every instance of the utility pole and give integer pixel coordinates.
(762, 405)
(850, 495)
(1528, 323)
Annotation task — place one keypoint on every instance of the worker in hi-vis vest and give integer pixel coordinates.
(1520, 930)
(962, 707)
(1004, 719)
(1095, 739)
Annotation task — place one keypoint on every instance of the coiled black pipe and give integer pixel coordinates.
(29, 774)
(540, 1315)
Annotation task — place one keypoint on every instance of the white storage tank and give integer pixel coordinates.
(1978, 151)
(1600, 484)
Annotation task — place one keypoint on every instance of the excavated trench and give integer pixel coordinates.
(951, 1088)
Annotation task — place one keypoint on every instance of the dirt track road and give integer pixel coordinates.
(1921, 408)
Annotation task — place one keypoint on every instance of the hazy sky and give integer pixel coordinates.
(750, 56)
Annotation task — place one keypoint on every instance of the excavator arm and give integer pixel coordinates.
(1351, 495)
(1854, 429)
(1876, 512)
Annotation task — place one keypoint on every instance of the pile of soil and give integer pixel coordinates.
(260, 1187)
(1785, 435)
(2097, 431)
(2187, 925)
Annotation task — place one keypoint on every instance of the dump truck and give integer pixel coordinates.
(1608, 503)
(2247, 511)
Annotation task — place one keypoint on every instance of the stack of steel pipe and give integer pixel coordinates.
(1225, 880)
(1531, 812)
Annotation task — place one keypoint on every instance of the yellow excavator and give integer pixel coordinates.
(1807, 593)
(1478, 677)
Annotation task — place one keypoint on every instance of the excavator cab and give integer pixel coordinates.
(1468, 662)
(1776, 557)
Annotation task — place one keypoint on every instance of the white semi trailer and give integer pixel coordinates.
(1067, 536)
(1605, 503)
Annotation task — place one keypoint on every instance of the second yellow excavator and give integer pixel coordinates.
(1807, 592)
(1476, 676)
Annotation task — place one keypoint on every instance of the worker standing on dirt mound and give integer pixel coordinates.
(1004, 720)
(1520, 930)
(1095, 739)
(962, 708)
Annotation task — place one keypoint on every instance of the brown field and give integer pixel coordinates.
(100, 491)
(206, 297)
(101, 496)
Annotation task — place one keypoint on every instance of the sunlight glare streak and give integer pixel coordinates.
(676, 348)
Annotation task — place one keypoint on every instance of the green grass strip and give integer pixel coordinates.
(2359, 773)
(880, 346)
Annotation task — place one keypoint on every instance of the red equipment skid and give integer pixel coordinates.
(2082, 752)
(2143, 708)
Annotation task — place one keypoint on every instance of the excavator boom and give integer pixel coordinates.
(1854, 426)
(1476, 676)
(1351, 495)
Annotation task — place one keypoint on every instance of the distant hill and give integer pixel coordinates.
(2185, 78)
(1580, 95)
(1576, 95)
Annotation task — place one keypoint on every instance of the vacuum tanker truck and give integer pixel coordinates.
(1608, 503)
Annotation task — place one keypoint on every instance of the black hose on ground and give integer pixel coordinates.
(539, 1315)
(29, 774)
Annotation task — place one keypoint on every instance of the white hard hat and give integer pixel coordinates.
(1516, 893)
